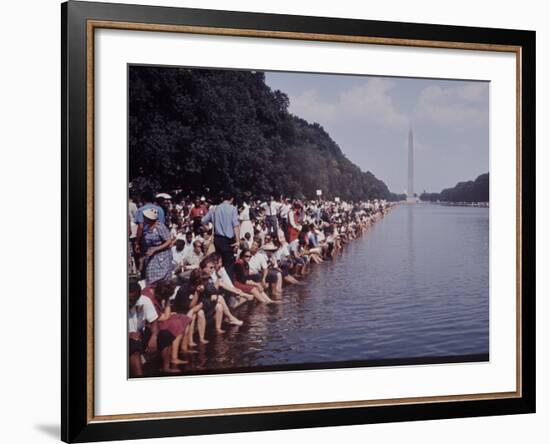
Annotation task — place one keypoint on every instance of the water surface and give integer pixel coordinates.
(415, 286)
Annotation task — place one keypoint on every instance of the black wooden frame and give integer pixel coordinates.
(75, 423)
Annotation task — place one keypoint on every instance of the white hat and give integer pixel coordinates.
(151, 213)
(164, 196)
(269, 247)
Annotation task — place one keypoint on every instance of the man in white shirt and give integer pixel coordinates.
(178, 250)
(247, 239)
(260, 271)
(192, 259)
(283, 216)
(282, 253)
(258, 262)
(300, 260)
(271, 209)
(189, 239)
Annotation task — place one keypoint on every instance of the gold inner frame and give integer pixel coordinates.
(95, 24)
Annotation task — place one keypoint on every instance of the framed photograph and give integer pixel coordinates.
(276, 221)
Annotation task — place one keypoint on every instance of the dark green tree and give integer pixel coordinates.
(470, 191)
(200, 130)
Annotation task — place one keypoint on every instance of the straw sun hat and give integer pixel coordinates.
(269, 247)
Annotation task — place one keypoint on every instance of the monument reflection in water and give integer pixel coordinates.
(414, 289)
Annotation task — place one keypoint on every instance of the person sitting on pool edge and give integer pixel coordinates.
(244, 281)
(142, 318)
(282, 267)
(171, 326)
(214, 305)
(186, 301)
(260, 270)
(223, 282)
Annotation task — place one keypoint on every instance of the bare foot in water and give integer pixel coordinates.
(170, 370)
(178, 362)
(220, 331)
(204, 341)
(189, 352)
(192, 344)
(236, 322)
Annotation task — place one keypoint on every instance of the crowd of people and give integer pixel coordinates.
(193, 262)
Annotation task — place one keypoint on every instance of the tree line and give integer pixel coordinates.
(471, 191)
(201, 131)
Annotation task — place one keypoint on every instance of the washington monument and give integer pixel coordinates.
(411, 197)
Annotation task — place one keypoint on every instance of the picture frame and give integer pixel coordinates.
(80, 21)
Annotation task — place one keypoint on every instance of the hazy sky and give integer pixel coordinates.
(369, 118)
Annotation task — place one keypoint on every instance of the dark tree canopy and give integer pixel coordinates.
(470, 191)
(203, 131)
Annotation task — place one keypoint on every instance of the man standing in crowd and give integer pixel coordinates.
(225, 219)
(164, 201)
(283, 216)
(196, 214)
(271, 209)
(133, 258)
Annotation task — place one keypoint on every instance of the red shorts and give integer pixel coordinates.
(244, 287)
(176, 324)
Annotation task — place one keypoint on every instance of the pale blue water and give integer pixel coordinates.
(416, 285)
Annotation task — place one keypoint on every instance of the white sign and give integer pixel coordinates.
(319, 192)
